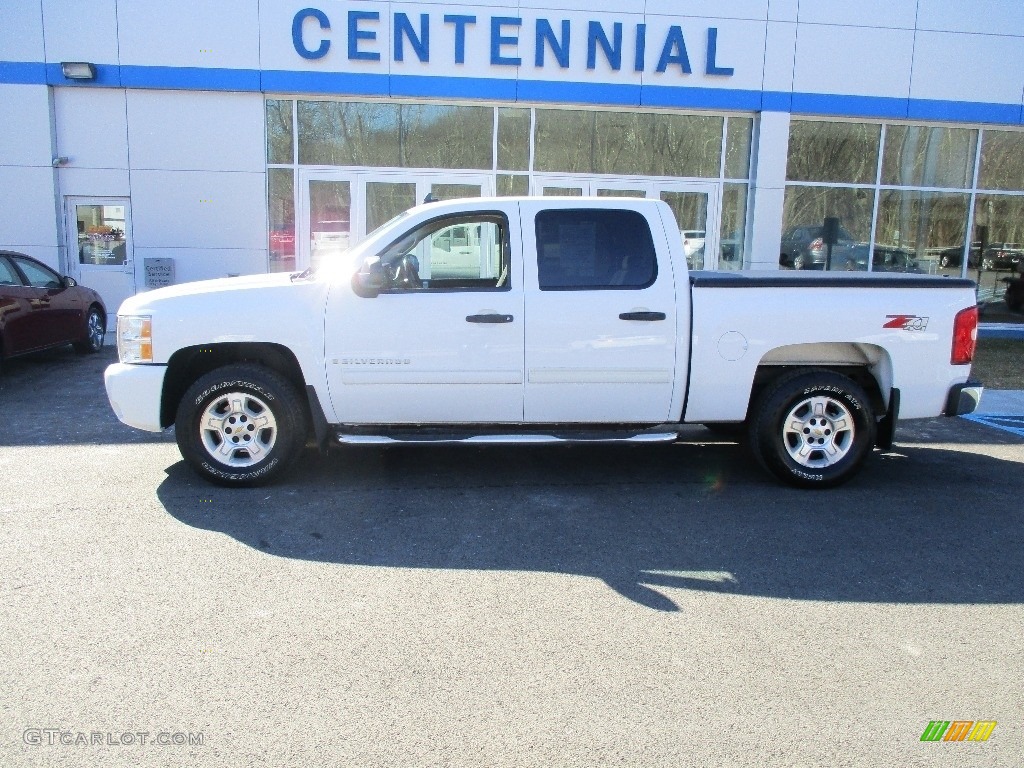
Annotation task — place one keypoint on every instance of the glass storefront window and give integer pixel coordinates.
(344, 133)
(395, 135)
(330, 219)
(922, 156)
(823, 151)
(1002, 160)
(387, 199)
(513, 139)
(737, 147)
(280, 138)
(628, 143)
(805, 210)
(439, 136)
(454, 191)
(691, 212)
(734, 218)
(914, 229)
(509, 186)
(281, 195)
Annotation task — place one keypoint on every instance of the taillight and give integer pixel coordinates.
(965, 336)
(817, 244)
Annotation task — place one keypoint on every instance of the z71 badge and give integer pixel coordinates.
(906, 322)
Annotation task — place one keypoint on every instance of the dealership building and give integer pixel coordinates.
(146, 143)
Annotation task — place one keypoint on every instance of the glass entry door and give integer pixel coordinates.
(695, 205)
(338, 209)
(100, 249)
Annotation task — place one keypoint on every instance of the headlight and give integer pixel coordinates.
(135, 338)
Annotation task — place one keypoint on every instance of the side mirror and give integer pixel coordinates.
(69, 282)
(369, 280)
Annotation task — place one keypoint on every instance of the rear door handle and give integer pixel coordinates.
(648, 316)
(492, 318)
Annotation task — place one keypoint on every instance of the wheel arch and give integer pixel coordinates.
(867, 364)
(190, 363)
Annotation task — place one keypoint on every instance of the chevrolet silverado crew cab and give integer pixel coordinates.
(538, 320)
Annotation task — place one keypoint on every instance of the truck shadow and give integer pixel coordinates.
(920, 526)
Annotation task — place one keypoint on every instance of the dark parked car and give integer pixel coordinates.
(40, 309)
(1002, 256)
(953, 256)
(804, 247)
(894, 259)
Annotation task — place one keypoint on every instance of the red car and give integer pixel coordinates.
(40, 309)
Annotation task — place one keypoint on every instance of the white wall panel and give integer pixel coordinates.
(28, 202)
(81, 30)
(996, 17)
(711, 9)
(783, 10)
(92, 128)
(93, 182)
(25, 125)
(201, 263)
(853, 60)
(195, 130)
(861, 13)
(199, 209)
(968, 67)
(21, 31)
(780, 56)
(189, 33)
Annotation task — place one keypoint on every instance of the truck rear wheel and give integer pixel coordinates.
(241, 425)
(812, 429)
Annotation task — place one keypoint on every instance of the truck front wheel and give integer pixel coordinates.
(240, 425)
(812, 429)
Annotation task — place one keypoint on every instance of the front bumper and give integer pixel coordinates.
(963, 398)
(134, 392)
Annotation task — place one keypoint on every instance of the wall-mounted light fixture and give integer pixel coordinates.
(78, 70)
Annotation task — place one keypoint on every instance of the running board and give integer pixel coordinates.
(520, 439)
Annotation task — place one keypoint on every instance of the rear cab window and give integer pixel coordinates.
(594, 249)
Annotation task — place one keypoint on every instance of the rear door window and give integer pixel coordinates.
(594, 249)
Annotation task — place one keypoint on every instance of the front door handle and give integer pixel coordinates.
(648, 316)
(491, 318)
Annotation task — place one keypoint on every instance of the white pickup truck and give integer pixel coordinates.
(538, 320)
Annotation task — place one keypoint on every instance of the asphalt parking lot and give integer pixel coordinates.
(535, 606)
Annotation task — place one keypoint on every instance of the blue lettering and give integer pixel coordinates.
(674, 52)
(711, 68)
(355, 34)
(612, 51)
(460, 23)
(559, 46)
(420, 45)
(498, 40)
(641, 45)
(300, 46)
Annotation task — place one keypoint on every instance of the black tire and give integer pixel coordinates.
(944, 261)
(257, 409)
(95, 330)
(835, 414)
(799, 261)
